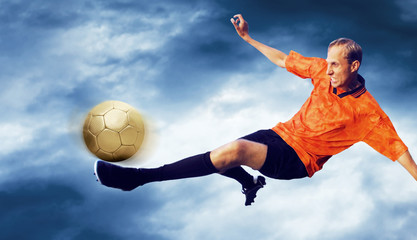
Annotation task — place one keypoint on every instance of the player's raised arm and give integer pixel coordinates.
(408, 163)
(242, 28)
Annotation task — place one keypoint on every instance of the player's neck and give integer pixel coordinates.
(353, 84)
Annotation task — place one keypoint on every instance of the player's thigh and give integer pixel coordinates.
(239, 152)
(253, 153)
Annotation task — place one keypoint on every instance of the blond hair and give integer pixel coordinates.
(352, 49)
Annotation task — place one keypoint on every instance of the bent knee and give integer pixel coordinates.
(229, 155)
(239, 152)
(238, 149)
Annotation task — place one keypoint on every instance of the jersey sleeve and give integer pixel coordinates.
(384, 139)
(306, 67)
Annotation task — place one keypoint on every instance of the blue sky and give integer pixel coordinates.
(199, 86)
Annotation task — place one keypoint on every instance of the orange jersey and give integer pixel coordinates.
(331, 121)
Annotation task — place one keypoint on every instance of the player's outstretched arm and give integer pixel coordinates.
(242, 28)
(408, 163)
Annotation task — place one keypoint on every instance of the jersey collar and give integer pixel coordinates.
(357, 92)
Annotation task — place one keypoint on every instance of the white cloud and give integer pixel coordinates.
(95, 43)
(240, 107)
(114, 36)
(15, 136)
(21, 91)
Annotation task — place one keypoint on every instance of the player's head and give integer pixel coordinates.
(353, 51)
(344, 58)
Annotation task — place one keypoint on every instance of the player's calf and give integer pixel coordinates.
(128, 179)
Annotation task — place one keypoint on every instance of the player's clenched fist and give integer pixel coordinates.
(241, 26)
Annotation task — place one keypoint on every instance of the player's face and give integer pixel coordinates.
(339, 69)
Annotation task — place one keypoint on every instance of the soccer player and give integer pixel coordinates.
(339, 113)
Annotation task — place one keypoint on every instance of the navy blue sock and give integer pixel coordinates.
(240, 175)
(195, 166)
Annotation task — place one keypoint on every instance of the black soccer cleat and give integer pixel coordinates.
(114, 176)
(250, 193)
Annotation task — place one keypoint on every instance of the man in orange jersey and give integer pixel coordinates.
(339, 113)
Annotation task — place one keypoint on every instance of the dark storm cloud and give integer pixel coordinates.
(389, 39)
(38, 209)
(197, 64)
(46, 183)
(61, 200)
(189, 73)
(333, 18)
(190, 62)
(48, 191)
(39, 14)
(25, 24)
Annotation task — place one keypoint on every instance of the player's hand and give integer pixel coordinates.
(241, 26)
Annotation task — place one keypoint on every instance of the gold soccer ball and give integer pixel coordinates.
(113, 131)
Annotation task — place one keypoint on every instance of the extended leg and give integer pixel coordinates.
(234, 154)
(128, 179)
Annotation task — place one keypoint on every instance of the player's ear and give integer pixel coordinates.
(354, 67)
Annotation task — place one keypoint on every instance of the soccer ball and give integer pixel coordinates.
(113, 131)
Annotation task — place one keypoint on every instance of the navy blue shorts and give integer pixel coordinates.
(282, 162)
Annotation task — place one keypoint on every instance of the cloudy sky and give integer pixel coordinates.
(199, 86)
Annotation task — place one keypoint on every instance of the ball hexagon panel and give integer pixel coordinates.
(90, 141)
(108, 140)
(128, 135)
(135, 119)
(105, 155)
(115, 120)
(124, 152)
(121, 105)
(96, 124)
